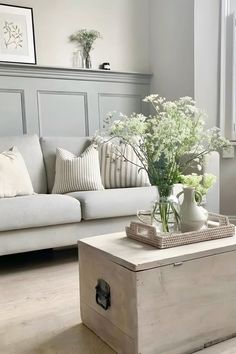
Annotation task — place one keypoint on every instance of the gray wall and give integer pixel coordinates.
(228, 167)
(184, 56)
(207, 58)
(172, 47)
(65, 102)
(207, 70)
(184, 51)
(228, 186)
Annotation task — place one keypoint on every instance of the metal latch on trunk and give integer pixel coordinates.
(103, 294)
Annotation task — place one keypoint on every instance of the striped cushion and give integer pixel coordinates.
(77, 173)
(116, 172)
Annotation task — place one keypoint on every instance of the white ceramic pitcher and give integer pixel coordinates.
(192, 216)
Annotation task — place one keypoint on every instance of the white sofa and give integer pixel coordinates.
(47, 220)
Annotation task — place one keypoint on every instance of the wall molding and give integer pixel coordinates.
(22, 102)
(63, 93)
(114, 95)
(102, 92)
(46, 72)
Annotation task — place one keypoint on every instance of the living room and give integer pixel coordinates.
(104, 106)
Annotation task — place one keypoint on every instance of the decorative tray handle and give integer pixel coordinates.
(223, 220)
(143, 230)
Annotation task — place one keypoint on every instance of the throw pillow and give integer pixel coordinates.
(77, 173)
(117, 172)
(14, 176)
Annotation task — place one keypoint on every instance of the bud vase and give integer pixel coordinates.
(77, 59)
(87, 61)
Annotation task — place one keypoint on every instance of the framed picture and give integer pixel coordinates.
(17, 44)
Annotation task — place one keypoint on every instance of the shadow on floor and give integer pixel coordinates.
(36, 259)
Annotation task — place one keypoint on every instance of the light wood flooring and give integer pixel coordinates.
(39, 308)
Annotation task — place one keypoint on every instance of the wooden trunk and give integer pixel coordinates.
(171, 301)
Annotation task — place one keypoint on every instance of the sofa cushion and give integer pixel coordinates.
(76, 145)
(14, 176)
(38, 210)
(29, 147)
(115, 202)
(120, 166)
(77, 173)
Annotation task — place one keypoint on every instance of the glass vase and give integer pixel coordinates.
(87, 61)
(165, 213)
(77, 59)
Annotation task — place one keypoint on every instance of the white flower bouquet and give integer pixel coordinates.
(168, 142)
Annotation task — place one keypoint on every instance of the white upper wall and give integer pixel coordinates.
(233, 5)
(122, 23)
(172, 47)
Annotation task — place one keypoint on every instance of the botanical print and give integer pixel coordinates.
(13, 34)
(17, 43)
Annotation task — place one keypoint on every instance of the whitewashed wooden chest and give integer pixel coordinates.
(171, 301)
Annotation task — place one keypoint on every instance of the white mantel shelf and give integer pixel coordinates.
(36, 71)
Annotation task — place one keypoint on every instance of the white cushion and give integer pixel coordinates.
(116, 171)
(14, 176)
(77, 173)
(29, 147)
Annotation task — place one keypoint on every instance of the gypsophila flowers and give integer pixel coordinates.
(169, 141)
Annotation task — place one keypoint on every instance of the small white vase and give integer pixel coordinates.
(192, 216)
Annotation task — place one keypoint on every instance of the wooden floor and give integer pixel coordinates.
(39, 308)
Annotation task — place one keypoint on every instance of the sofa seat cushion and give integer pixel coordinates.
(38, 210)
(115, 202)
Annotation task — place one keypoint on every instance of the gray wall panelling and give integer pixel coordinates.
(13, 118)
(65, 102)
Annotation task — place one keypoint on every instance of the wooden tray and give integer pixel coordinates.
(218, 227)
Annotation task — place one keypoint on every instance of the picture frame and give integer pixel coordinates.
(17, 40)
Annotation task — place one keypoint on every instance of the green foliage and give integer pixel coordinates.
(201, 183)
(85, 38)
(160, 141)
